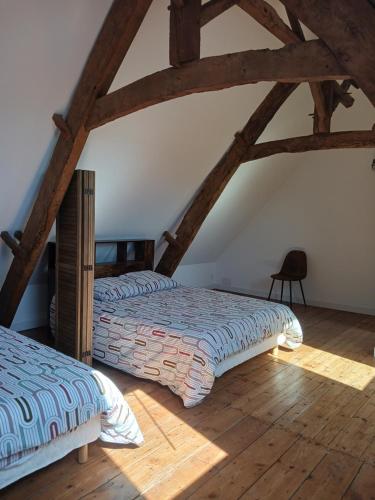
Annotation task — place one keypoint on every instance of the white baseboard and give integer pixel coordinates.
(298, 300)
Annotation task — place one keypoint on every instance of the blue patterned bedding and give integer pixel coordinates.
(45, 394)
(178, 335)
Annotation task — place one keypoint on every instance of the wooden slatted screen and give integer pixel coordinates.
(75, 260)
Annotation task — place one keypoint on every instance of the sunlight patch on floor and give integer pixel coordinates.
(332, 366)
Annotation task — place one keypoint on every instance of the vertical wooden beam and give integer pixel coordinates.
(322, 109)
(219, 177)
(185, 31)
(115, 37)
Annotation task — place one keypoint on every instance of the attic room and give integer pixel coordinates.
(186, 255)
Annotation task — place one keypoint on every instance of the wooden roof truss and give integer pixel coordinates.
(343, 51)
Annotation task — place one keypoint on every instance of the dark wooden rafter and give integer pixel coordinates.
(219, 177)
(316, 142)
(116, 35)
(214, 8)
(184, 32)
(347, 27)
(291, 63)
(267, 17)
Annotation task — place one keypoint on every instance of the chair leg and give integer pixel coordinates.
(282, 291)
(290, 294)
(269, 295)
(303, 295)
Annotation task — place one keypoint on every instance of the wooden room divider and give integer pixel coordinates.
(75, 260)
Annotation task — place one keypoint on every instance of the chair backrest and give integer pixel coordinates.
(295, 264)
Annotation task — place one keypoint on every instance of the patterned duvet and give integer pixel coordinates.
(178, 335)
(45, 394)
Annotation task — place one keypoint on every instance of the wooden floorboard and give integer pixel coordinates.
(293, 425)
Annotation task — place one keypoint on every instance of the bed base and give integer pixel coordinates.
(269, 344)
(76, 441)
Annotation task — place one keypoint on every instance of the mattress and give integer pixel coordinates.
(178, 336)
(49, 453)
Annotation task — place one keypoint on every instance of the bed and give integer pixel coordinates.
(51, 404)
(152, 327)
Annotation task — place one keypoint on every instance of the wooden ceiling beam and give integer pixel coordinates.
(114, 39)
(305, 61)
(322, 95)
(347, 27)
(316, 142)
(267, 17)
(214, 8)
(218, 178)
(184, 32)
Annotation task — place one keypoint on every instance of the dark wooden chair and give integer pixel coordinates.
(294, 268)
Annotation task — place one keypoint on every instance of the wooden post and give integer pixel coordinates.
(185, 31)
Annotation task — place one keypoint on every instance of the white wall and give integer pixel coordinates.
(325, 205)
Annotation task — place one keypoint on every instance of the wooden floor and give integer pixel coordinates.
(297, 425)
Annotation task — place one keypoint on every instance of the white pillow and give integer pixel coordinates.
(131, 285)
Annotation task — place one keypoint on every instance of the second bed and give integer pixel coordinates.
(153, 327)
